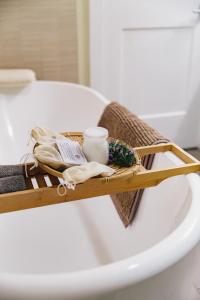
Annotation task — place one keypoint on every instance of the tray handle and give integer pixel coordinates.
(156, 176)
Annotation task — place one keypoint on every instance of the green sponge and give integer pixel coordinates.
(121, 155)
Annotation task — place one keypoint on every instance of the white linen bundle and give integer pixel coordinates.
(79, 174)
(46, 151)
(48, 155)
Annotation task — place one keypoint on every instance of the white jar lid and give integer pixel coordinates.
(96, 132)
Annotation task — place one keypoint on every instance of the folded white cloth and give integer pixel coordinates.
(79, 174)
(16, 77)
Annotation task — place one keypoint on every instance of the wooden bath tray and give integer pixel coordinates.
(42, 186)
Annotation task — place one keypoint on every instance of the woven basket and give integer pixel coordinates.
(119, 171)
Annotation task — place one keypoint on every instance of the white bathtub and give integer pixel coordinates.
(81, 250)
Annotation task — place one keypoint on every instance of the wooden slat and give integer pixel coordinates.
(146, 150)
(54, 180)
(183, 155)
(40, 181)
(29, 184)
(91, 188)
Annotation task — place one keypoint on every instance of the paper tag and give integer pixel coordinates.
(71, 152)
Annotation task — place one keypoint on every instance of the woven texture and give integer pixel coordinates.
(78, 137)
(12, 184)
(11, 170)
(126, 126)
(40, 35)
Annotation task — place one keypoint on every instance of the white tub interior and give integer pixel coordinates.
(83, 234)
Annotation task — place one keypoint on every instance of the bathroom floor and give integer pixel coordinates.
(195, 152)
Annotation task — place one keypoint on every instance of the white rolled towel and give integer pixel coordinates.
(16, 77)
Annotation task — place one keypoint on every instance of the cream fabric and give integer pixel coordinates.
(46, 150)
(16, 77)
(39, 132)
(48, 155)
(45, 136)
(78, 174)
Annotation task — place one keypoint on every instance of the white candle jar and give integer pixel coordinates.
(95, 144)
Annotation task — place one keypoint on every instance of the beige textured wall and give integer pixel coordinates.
(83, 40)
(40, 35)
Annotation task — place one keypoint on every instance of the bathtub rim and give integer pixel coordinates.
(122, 273)
(17, 90)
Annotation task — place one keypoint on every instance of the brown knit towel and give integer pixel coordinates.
(127, 127)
